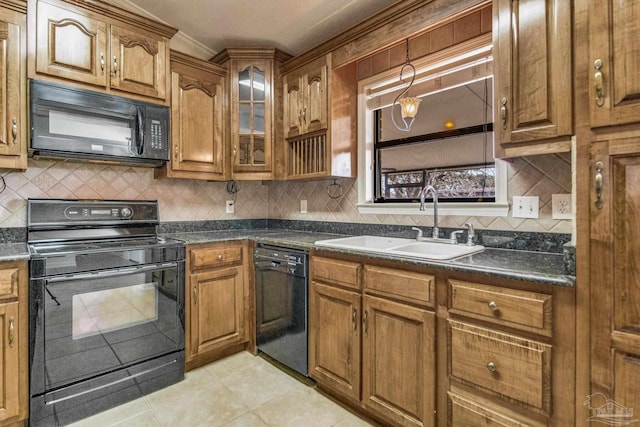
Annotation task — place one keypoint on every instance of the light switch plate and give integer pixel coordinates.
(561, 206)
(303, 206)
(230, 207)
(525, 207)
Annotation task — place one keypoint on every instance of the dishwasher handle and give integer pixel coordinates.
(280, 266)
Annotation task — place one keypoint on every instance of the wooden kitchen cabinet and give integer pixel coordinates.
(14, 398)
(319, 120)
(533, 95)
(100, 46)
(254, 90)
(614, 89)
(305, 99)
(197, 120)
(13, 104)
(362, 347)
(217, 301)
(615, 290)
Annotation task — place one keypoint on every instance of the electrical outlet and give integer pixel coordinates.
(230, 206)
(561, 206)
(303, 206)
(525, 207)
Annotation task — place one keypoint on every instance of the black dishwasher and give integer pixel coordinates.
(281, 305)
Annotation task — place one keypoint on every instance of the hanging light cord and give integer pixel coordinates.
(405, 91)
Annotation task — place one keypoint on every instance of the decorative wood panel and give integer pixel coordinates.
(415, 288)
(336, 272)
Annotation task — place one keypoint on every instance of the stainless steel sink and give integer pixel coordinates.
(401, 247)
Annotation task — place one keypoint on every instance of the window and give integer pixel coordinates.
(449, 146)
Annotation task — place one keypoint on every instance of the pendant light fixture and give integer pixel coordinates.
(408, 104)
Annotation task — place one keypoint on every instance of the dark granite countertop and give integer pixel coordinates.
(14, 251)
(540, 267)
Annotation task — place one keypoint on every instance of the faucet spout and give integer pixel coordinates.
(434, 194)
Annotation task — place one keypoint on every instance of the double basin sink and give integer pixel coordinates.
(401, 247)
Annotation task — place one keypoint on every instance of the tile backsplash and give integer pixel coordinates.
(191, 200)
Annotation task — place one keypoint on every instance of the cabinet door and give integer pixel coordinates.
(314, 108)
(614, 92)
(138, 63)
(197, 126)
(398, 368)
(217, 309)
(71, 45)
(293, 105)
(533, 87)
(334, 338)
(615, 272)
(9, 372)
(251, 110)
(13, 144)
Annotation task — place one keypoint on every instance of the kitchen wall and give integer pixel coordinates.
(190, 200)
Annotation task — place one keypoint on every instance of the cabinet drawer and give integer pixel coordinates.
(529, 311)
(515, 369)
(217, 256)
(472, 411)
(9, 280)
(404, 285)
(335, 271)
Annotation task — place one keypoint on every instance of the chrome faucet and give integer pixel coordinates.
(434, 194)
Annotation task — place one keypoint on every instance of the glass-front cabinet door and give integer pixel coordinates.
(254, 79)
(251, 117)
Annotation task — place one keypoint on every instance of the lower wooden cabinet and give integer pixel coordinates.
(377, 353)
(217, 301)
(421, 346)
(14, 399)
(398, 364)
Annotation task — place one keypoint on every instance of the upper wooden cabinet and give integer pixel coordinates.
(305, 99)
(320, 110)
(197, 120)
(99, 45)
(254, 82)
(533, 96)
(13, 109)
(614, 92)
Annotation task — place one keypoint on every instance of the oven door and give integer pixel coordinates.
(90, 324)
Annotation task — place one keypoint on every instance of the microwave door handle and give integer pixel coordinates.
(140, 131)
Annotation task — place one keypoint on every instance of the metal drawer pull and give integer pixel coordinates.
(597, 64)
(493, 306)
(365, 322)
(115, 66)
(503, 113)
(14, 129)
(492, 367)
(11, 332)
(220, 257)
(354, 316)
(195, 295)
(598, 184)
(101, 63)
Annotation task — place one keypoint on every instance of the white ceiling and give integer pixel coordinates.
(291, 25)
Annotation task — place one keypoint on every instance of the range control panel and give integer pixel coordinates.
(78, 212)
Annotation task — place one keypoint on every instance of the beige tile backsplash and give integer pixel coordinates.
(191, 200)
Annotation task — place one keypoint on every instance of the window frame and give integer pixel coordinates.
(427, 68)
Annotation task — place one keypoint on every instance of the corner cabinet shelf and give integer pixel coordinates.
(254, 84)
(319, 120)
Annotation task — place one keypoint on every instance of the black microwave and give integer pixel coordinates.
(73, 123)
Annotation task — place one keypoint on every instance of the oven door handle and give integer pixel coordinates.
(111, 273)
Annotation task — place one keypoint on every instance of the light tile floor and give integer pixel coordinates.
(238, 391)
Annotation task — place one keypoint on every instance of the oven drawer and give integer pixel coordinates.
(218, 255)
(516, 369)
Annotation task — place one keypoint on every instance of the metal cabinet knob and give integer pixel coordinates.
(492, 367)
(493, 306)
(219, 257)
